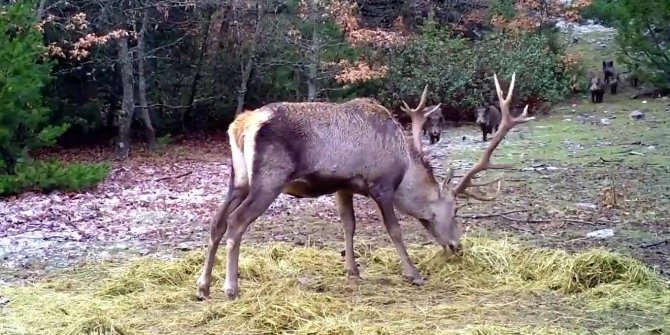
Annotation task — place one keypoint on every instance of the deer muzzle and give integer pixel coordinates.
(455, 248)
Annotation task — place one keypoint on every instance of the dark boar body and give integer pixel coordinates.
(488, 119)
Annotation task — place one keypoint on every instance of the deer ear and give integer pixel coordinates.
(449, 175)
(445, 188)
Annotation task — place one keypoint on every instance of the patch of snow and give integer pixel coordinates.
(601, 234)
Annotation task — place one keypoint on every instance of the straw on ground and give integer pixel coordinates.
(497, 287)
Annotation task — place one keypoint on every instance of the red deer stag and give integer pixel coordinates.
(309, 150)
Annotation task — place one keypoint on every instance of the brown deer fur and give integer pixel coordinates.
(356, 147)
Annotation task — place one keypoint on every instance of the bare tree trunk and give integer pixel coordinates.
(251, 58)
(40, 10)
(313, 66)
(198, 70)
(125, 115)
(296, 78)
(242, 91)
(142, 84)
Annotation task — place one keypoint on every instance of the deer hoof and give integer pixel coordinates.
(232, 293)
(456, 249)
(353, 275)
(203, 290)
(418, 280)
(202, 294)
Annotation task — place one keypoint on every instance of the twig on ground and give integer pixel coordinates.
(490, 215)
(594, 222)
(528, 220)
(515, 180)
(610, 160)
(175, 176)
(667, 240)
(72, 225)
(630, 143)
(581, 221)
(529, 231)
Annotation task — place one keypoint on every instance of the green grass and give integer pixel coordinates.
(568, 139)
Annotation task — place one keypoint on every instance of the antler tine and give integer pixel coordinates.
(422, 102)
(481, 197)
(406, 108)
(497, 180)
(426, 114)
(511, 88)
(508, 122)
(418, 118)
(498, 89)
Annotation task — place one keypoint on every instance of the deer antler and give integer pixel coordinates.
(508, 122)
(418, 117)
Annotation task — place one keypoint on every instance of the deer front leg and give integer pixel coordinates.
(384, 200)
(345, 206)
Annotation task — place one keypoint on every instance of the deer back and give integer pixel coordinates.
(335, 141)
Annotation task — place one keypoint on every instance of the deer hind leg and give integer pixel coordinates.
(265, 186)
(345, 206)
(219, 225)
(384, 200)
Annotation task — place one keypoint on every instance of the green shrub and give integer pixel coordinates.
(604, 11)
(460, 72)
(504, 8)
(23, 73)
(47, 176)
(642, 35)
(534, 58)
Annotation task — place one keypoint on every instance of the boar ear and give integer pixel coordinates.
(604, 64)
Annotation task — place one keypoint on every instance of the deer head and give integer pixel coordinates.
(438, 210)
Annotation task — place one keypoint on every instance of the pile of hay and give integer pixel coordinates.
(497, 287)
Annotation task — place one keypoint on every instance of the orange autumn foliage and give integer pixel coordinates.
(344, 14)
(358, 71)
(80, 49)
(532, 13)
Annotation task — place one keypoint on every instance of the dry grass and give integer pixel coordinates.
(497, 287)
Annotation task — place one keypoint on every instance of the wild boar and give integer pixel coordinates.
(435, 123)
(611, 76)
(597, 90)
(488, 119)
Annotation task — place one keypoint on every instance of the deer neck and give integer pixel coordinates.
(416, 191)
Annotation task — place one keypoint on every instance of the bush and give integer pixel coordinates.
(47, 176)
(603, 11)
(459, 71)
(23, 73)
(535, 58)
(642, 37)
